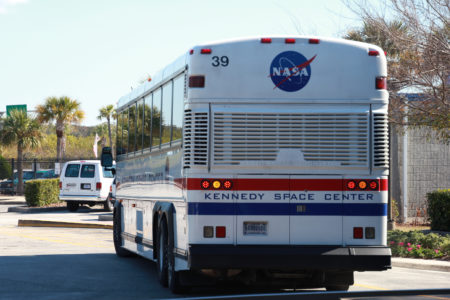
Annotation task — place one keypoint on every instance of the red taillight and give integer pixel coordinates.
(381, 83)
(373, 185)
(206, 51)
(191, 51)
(314, 41)
(110, 189)
(221, 231)
(98, 186)
(205, 184)
(357, 232)
(373, 52)
(351, 185)
(266, 40)
(227, 184)
(196, 81)
(60, 185)
(289, 41)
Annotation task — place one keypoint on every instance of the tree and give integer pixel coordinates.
(107, 112)
(63, 111)
(418, 56)
(19, 128)
(5, 169)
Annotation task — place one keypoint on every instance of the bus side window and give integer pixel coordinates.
(166, 113)
(178, 107)
(139, 124)
(132, 128)
(156, 119)
(147, 121)
(125, 131)
(119, 135)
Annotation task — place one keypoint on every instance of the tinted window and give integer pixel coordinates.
(28, 175)
(148, 120)
(139, 123)
(167, 113)
(88, 171)
(107, 173)
(72, 170)
(124, 132)
(156, 118)
(119, 135)
(178, 107)
(132, 128)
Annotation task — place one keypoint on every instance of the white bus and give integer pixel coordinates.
(259, 159)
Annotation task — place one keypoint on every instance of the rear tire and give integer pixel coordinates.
(162, 259)
(72, 206)
(117, 234)
(109, 203)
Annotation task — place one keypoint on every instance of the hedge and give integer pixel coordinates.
(42, 192)
(439, 209)
(5, 169)
(418, 244)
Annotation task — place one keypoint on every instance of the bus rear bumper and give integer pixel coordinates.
(289, 257)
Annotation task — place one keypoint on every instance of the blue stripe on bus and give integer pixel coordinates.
(285, 209)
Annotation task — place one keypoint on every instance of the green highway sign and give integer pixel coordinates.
(10, 108)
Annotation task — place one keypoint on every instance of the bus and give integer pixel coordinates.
(263, 160)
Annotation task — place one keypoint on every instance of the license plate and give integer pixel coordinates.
(255, 228)
(86, 186)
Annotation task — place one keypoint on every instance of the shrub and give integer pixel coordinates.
(439, 209)
(5, 168)
(42, 192)
(419, 245)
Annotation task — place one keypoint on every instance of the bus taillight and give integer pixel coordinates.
(205, 184)
(197, 81)
(358, 232)
(266, 40)
(373, 52)
(221, 231)
(289, 41)
(206, 51)
(314, 41)
(381, 83)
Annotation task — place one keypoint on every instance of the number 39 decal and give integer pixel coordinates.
(220, 61)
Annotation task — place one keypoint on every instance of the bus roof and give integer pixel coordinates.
(339, 62)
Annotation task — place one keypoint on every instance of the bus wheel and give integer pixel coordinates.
(117, 234)
(173, 277)
(109, 203)
(72, 206)
(162, 259)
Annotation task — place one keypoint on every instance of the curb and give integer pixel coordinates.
(39, 223)
(25, 209)
(421, 264)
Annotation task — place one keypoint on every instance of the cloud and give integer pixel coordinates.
(5, 4)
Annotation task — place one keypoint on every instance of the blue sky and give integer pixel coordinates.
(95, 50)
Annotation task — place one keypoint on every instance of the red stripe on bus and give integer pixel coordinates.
(251, 184)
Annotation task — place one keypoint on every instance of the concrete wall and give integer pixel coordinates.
(428, 169)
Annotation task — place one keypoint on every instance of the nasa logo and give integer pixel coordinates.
(290, 71)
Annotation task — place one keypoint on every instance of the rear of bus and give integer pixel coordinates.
(286, 157)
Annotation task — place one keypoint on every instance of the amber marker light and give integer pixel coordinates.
(216, 184)
(362, 185)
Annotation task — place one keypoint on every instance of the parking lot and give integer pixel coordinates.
(80, 263)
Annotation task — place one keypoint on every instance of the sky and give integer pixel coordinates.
(96, 51)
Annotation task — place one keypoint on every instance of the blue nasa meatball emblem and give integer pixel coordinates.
(290, 71)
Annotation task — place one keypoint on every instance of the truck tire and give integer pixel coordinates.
(109, 204)
(117, 234)
(162, 256)
(72, 206)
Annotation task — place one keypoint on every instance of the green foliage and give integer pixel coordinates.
(42, 192)
(5, 169)
(418, 245)
(439, 209)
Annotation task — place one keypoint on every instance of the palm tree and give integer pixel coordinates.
(107, 112)
(64, 111)
(19, 128)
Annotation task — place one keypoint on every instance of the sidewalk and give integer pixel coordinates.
(97, 218)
